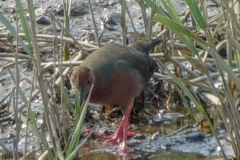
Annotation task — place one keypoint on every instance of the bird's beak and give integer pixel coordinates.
(82, 94)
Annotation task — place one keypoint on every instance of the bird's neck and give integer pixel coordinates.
(99, 90)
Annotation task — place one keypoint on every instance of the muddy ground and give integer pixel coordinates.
(165, 133)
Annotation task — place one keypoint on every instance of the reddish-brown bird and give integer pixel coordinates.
(119, 74)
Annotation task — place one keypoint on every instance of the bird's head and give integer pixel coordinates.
(82, 78)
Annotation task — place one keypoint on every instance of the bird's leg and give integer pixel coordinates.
(125, 131)
(126, 126)
(119, 133)
(122, 132)
(111, 138)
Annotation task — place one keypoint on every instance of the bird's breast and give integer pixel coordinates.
(121, 89)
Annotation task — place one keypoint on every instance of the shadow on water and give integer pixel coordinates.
(166, 136)
(161, 154)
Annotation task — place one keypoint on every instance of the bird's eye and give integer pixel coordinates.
(88, 82)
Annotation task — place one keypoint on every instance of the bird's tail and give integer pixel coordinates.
(146, 45)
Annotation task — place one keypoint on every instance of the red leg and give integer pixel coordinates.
(119, 133)
(124, 136)
(97, 135)
(122, 132)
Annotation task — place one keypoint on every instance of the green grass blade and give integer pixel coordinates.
(24, 99)
(78, 147)
(186, 41)
(186, 104)
(78, 130)
(171, 9)
(78, 108)
(196, 13)
(154, 7)
(13, 33)
(32, 10)
(190, 95)
(173, 12)
(31, 125)
(67, 99)
(25, 25)
(180, 29)
(228, 70)
(225, 3)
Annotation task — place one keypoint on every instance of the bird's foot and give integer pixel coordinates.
(118, 136)
(121, 134)
(119, 139)
(124, 147)
(97, 135)
(111, 138)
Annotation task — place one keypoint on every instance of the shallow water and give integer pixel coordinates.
(153, 140)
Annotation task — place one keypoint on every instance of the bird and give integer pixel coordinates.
(118, 75)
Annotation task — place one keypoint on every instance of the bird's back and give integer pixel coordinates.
(112, 58)
(120, 72)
